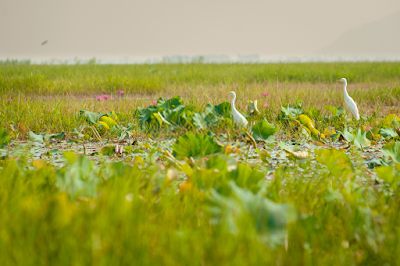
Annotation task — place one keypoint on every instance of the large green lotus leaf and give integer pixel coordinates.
(388, 133)
(392, 150)
(263, 130)
(338, 162)
(4, 138)
(199, 121)
(146, 113)
(172, 103)
(223, 109)
(91, 117)
(187, 117)
(174, 116)
(361, 140)
(211, 119)
(196, 146)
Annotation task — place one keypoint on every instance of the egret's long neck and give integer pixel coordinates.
(233, 103)
(344, 89)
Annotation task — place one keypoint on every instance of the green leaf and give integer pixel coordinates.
(146, 113)
(223, 109)
(253, 109)
(172, 103)
(161, 119)
(70, 156)
(361, 140)
(347, 135)
(312, 112)
(90, 117)
(199, 121)
(340, 111)
(291, 112)
(34, 137)
(222, 163)
(243, 207)
(79, 178)
(392, 150)
(76, 131)
(4, 138)
(390, 175)
(335, 111)
(332, 109)
(263, 130)
(55, 136)
(388, 133)
(245, 177)
(338, 162)
(196, 146)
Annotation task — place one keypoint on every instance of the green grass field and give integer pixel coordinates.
(161, 176)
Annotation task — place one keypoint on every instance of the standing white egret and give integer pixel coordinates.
(238, 118)
(348, 101)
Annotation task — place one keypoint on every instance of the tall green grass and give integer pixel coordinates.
(140, 79)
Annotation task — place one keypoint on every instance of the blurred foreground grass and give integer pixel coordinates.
(135, 215)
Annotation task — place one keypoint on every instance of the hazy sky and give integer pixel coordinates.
(147, 28)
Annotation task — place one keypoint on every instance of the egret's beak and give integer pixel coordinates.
(338, 80)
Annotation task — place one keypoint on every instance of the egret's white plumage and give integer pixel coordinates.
(349, 102)
(238, 118)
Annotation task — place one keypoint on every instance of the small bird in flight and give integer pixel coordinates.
(43, 43)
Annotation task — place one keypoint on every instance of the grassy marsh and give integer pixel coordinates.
(73, 200)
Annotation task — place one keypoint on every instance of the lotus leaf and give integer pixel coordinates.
(263, 130)
(196, 146)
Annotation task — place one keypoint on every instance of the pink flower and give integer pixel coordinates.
(99, 98)
(121, 92)
(266, 105)
(154, 102)
(10, 100)
(265, 93)
(106, 96)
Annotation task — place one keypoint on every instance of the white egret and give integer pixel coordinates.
(348, 101)
(238, 118)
